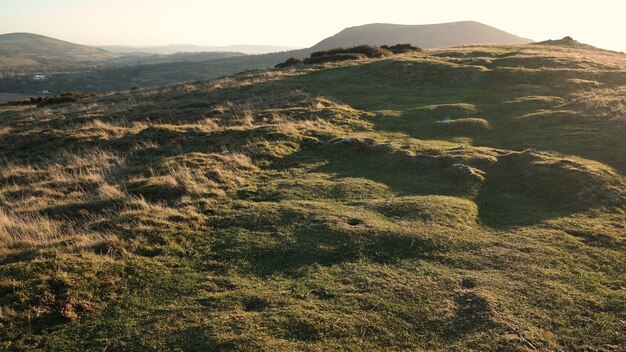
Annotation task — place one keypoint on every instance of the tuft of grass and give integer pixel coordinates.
(464, 125)
(27, 229)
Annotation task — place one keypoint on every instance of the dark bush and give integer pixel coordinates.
(355, 53)
(292, 61)
(68, 97)
(16, 103)
(334, 58)
(401, 48)
(367, 50)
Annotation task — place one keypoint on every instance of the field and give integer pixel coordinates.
(465, 199)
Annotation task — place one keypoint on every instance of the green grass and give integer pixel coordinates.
(388, 204)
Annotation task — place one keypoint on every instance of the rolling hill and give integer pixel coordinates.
(187, 48)
(30, 49)
(468, 199)
(88, 68)
(423, 36)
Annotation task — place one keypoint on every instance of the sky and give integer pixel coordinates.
(295, 23)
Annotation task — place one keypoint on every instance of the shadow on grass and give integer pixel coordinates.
(473, 314)
(307, 240)
(398, 172)
(518, 192)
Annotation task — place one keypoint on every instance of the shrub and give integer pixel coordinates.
(68, 97)
(292, 61)
(355, 53)
(367, 50)
(401, 48)
(334, 58)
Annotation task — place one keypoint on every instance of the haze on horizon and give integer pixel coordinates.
(280, 22)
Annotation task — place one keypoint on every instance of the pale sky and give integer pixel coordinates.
(300, 23)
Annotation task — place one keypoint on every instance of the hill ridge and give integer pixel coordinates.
(426, 36)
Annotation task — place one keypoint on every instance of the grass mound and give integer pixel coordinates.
(320, 186)
(526, 186)
(463, 126)
(447, 211)
(533, 102)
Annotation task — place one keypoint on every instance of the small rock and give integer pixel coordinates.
(425, 159)
(369, 141)
(468, 171)
(346, 141)
(387, 148)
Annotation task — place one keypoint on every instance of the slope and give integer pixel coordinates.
(459, 199)
(180, 48)
(40, 49)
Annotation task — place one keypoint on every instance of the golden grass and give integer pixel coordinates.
(30, 229)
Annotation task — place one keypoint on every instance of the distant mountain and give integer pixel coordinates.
(187, 48)
(23, 54)
(423, 36)
(136, 58)
(18, 49)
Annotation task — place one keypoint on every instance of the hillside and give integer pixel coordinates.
(71, 66)
(30, 49)
(423, 36)
(458, 199)
(179, 48)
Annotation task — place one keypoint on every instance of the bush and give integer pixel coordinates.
(355, 53)
(401, 48)
(68, 97)
(334, 58)
(292, 61)
(367, 50)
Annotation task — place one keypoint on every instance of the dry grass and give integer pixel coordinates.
(27, 229)
(609, 103)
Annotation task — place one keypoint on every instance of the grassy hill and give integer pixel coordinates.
(423, 36)
(186, 48)
(29, 48)
(458, 199)
(23, 54)
(70, 66)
